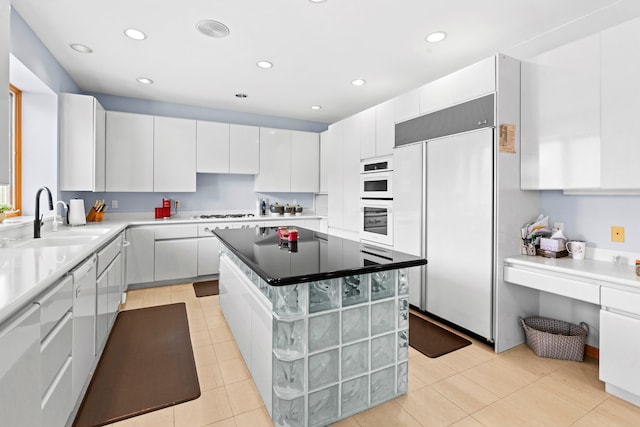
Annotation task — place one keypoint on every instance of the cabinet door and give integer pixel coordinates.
(618, 355)
(385, 129)
(208, 256)
(100, 153)
(176, 259)
(367, 133)
(351, 176)
(275, 161)
(324, 161)
(115, 289)
(140, 255)
(463, 85)
(129, 165)
(5, 143)
(244, 149)
(620, 106)
(406, 106)
(305, 162)
(334, 174)
(102, 307)
(213, 147)
(174, 154)
(20, 369)
(560, 139)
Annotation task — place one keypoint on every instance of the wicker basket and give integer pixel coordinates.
(554, 338)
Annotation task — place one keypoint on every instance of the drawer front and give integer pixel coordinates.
(57, 403)
(108, 253)
(55, 350)
(54, 304)
(621, 300)
(176, 231)
(576, 289)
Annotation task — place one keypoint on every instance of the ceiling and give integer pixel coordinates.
(317, 48)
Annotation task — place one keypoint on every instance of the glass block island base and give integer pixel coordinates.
(321, 350)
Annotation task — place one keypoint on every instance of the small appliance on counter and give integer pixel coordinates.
(276, 209)
(76, 215)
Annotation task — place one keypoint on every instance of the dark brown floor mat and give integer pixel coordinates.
(432, 340)
(207, 288)
(146, 365)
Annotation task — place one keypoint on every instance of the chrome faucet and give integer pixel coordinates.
(37, 222)
(55, 223)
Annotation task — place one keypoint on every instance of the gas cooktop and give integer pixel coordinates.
(233, 215)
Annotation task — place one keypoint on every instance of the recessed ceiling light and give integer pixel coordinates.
(264, 64)
(80, 48)
(436, 37)
(241, 95)
(144, 80)
(358, 82)
(316, 107)
(317, 1)
(212, 28)
(134, 34)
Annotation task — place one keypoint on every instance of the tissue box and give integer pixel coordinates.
(554, 245)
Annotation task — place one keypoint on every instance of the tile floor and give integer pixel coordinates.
(469, 387)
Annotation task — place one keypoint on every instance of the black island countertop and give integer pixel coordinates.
(315, 256)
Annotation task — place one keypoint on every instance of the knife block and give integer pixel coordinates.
(95, 216)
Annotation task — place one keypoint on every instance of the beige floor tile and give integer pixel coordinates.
(215, 320)
(466, 394)
(227, 350)
(197, 324)
(229, 422)
(467, 422)
(134, 300)
(347, 422)
(467, 357)
(430, 407)
(243, 396)
(429, 370)
(213, 405)
(585, 394)
(209, 376)
(234, 370)
(205, 355)
(159, 418)
(500, 377)
(255, 418)
(151, 298)
(415, 383)
(613, 412)
(200, 339)
(387, 414)
(221, 334)
(524, 357)
(502, 413)
(414, 353)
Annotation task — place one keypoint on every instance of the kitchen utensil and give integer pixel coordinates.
(76, 212)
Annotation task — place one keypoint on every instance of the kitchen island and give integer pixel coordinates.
(322, 323)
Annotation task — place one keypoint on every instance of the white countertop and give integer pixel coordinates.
(25, 273)
(606, 273)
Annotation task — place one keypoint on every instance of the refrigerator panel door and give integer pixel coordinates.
(459, 211)
(407, 211)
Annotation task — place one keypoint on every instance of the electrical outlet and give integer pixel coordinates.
(177, 203)
(114, 204)
(617, 233)
(558, 226)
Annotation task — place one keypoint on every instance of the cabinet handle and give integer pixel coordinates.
(482, 122)
(125, 243)
(207, 230)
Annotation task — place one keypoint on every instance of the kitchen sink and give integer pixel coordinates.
(79, 231)
(54, 241)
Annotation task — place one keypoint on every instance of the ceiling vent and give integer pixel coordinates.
(212, 28)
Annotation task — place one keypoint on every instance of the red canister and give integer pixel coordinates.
(159, 213)
(293, 235)
(166, 207)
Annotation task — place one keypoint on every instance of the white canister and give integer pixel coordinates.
(76, 212)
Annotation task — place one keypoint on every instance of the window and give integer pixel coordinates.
(11, 194)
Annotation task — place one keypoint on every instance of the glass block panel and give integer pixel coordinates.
(324, 295)
(289, 337)
(355, 290)
(289, 300)
(355, 359)
(383, 351)
(403, 377)
(288, 376)
(383, 284)
(403, 281)
(324, 331)
(383, 385)
(323, 406)
(355, 324)
(288, 413)
(403, 345)
(383, 317)
(403, 312)
(323, 369)
(355, 395)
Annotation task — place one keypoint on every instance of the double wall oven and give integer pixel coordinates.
(376, 201)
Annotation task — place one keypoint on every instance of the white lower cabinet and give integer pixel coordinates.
(102, 310)
(20, 393)
(140, 258)
(208, 256)
(176, 259)
(57, 403)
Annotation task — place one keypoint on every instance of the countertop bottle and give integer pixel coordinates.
(638, 267)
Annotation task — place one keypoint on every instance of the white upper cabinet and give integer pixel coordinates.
(289, 161)
(213, 147)
(82, 143)
(305, 162)
(366, 132)
(335, 139)
(620, 106)
(5, 144)
(324, 161)
(385, 129)
(244, 149)
(129, 152)
(463, 85)
(560, 110)
(174, 154)
(350, 154)
(406, 106)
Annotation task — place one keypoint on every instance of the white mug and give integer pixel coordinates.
(577, 249)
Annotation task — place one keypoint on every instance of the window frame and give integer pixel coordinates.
(16, 108)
